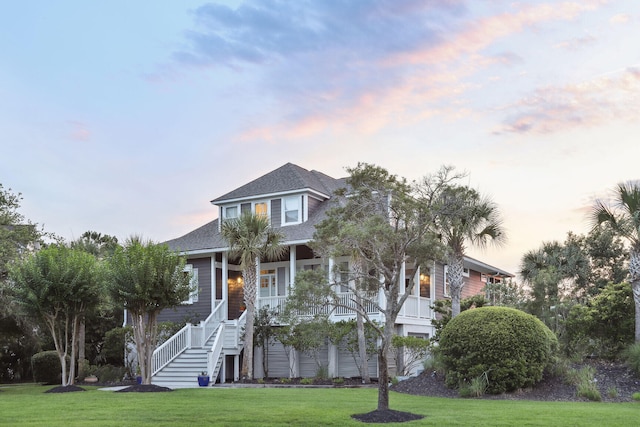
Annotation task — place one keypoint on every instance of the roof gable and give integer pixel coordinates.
(286, 178)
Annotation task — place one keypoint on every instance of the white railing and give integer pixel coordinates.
(171, 348)
(213, 355)
(187, 337)
(347, 305)
(418, 307)
(274, 303)
(232, 331)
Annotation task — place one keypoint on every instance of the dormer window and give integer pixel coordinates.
(261, 209)
(231, 212)
(291, 210)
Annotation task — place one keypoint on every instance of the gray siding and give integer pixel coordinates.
(276, 212)
(307, 364)
(347, 366)
(313, 205)
(198, 310)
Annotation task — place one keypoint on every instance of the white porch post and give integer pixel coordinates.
(225, 284)
(292, 266)
(213, 282)
(223, 370)
(236, 367)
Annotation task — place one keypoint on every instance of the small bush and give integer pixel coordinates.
(635, 396)
(632, 357)
(113, 349)
(477, 387)
(285, 380)
(46, 367)
(612, 392)
(338, 381)
(513, 348)
(109, 373)
(306, 381)
(584, 380)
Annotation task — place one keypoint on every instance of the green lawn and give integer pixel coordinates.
(28, 405)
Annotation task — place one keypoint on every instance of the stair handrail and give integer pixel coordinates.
(171, 348)
(210, 324)
(214, 354)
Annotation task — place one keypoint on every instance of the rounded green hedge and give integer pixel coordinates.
(510, 347)
(46, 367)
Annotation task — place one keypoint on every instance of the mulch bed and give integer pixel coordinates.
(65, 389)
(609, 377)
(388, 416)
(144, 388)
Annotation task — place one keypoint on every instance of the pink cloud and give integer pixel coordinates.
(433, 79)
(621, 18)
(79, 132)
(612, 97)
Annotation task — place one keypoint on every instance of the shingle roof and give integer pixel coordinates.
(288, 177)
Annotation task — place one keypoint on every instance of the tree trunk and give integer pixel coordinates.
(634, 272)
(456, 282)
(250, 286)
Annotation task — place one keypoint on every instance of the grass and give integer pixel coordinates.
(28, 405)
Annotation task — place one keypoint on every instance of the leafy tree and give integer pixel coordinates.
(147, 278)
(58, 285)
(106, 316)
(346, 334)
(411, 350)
(17, 236)
(263, 333)
(465, 217)
(442, 308)
(387, 223)
(251, 239)
(604, 325)
(555, 272)
(607, 255)
(623, 217)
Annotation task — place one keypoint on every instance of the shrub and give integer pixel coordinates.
(477, 387)
(306, 381)
(604, 326)
(46, 367)
(113, 350)
(510, 347)
(635, 396)
(109, 373)
(632, 357)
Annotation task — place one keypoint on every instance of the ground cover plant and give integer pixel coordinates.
(288, 406)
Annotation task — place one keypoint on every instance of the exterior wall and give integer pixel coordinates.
(313, 205)
(276, 213)
(438, 281)
(473, 285)
(198, 310)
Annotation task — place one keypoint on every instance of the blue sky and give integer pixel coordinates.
(129, 117)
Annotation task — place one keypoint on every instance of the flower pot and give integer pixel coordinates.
(203, 380)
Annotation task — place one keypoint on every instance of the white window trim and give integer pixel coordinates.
(465, 272)
(193, 296)
(283, 216)
(445, 287)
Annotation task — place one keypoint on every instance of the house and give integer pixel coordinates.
(295, 200)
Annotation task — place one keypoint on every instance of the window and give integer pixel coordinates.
(425, 285)
(193, 272)
(291, 210)
(465, 272)
(268, 284)
(231, 212)
(343, 277)
(446, 281)
(261, 209)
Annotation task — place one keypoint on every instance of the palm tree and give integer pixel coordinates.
(623, 216)
(250, 238)
(465, 217)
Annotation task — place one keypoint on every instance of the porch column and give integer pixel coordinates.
(213, 282)
(292, 266)
(236, 367)
(225, 284)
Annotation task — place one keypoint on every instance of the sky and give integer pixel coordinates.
(130, 117)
